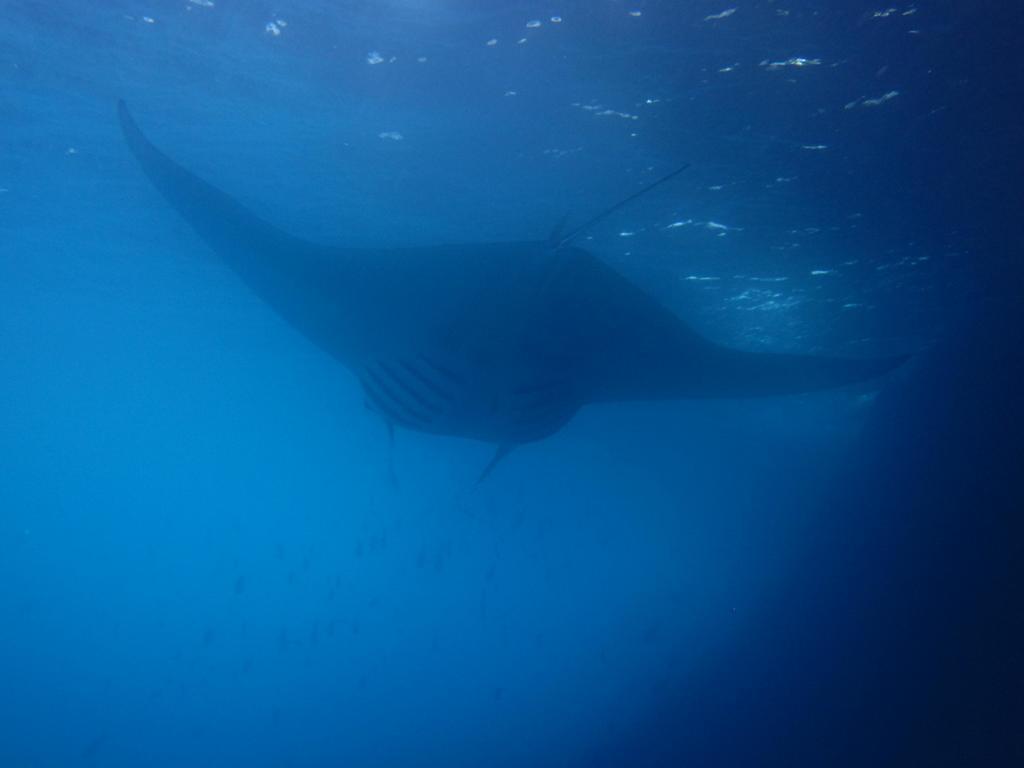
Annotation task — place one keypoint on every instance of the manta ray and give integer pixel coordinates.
(499, 342)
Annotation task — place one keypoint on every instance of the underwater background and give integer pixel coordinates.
(205, 559)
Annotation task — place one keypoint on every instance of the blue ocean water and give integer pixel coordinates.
(211, 553)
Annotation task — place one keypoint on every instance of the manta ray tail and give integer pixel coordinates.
(499, 454)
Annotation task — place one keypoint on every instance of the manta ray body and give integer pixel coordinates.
(499, 342)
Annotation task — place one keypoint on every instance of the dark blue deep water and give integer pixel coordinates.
(211, 554)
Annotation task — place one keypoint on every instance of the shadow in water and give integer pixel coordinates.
(898, 641)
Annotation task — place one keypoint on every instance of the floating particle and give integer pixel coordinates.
(390, 135)
(636, 13)
(556, 19)
(149, 19)
(795, 61)
(521, 40)
(374, 58)
(492, 41)
(421, 59)
(272, 29)
(71, 151)
(626, 233)
(814, 147)
(880, 100)
(511, 93)
(819, 272)
(202, 3)
(718, 16)
(533, 24)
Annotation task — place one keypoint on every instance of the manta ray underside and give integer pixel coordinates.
(500, 342)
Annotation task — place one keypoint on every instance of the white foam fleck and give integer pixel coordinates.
(762, 300)
(626, 233)
(636, 13)
(272, 28)
(149, 19)
(556, 19)
(793, 61)
(723, 15)
(374, 58)
(880, 100)
(814, 147)
(599, 110)
(391, 135)
(820, 272)
(202, 3)
(533, 24)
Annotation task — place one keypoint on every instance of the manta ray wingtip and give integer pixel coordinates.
(128, 125)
